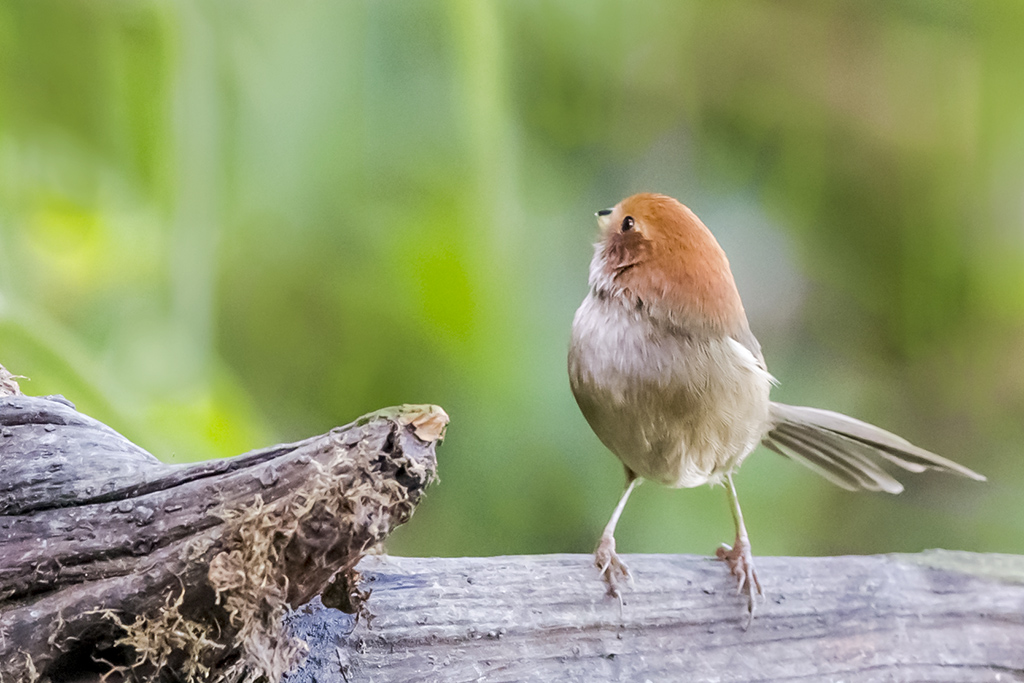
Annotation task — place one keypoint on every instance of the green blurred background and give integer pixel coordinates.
(228, 224)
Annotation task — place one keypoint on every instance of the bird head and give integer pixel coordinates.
(655, 251)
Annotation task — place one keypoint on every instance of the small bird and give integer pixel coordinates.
(665, 369)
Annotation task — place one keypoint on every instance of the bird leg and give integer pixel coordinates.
(605, 558)
(739, 557)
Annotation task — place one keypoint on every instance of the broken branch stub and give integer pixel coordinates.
(112, 561)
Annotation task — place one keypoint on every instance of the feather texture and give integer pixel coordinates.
(847, 451)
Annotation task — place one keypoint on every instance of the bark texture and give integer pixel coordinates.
(934, 616)
(113, 563)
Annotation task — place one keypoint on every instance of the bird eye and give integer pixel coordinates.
(628, 223)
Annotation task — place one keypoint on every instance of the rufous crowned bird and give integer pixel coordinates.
(665, 369)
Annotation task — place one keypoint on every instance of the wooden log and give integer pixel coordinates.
(933, 616)
(115, 564)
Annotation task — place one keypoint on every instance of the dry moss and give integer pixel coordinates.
(167, 636)
(252, 587)
(20, 669)
(215, 612)
(346, 507)
(274, 555)
(29, 672)
(8, 383)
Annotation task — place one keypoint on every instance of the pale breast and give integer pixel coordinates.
(676, 407)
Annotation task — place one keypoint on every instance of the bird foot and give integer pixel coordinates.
(741, 564)
(613, 569)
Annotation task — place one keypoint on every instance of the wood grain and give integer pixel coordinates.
(935, 616)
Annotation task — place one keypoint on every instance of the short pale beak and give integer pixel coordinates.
(603, 218)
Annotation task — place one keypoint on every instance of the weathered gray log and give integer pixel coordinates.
(114, 563)
(935, 616)
(174, 572)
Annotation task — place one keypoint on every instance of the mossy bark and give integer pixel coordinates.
(112, 561)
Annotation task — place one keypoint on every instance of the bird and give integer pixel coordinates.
(665, 369)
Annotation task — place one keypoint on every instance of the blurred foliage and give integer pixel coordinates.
(225, 224)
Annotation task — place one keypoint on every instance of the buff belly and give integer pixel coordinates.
(676, 407)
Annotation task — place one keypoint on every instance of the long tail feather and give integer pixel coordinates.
(847, 451)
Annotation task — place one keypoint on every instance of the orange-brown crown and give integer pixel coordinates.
(659, 251)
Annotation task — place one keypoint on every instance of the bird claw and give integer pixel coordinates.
(741, 565)
(612, 568)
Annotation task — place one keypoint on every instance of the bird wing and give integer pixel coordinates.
(847, 451)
